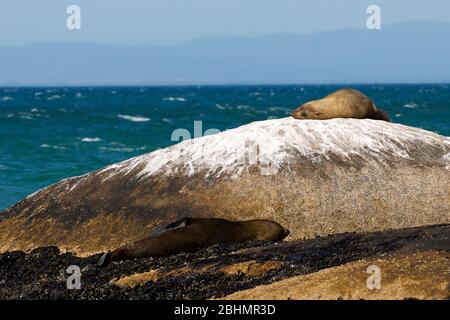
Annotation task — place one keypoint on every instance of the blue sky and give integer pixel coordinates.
(174, 21)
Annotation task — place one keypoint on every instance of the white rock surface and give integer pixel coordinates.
(279, 142)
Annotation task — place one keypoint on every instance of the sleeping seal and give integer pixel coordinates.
(344, 103)
(192, 234)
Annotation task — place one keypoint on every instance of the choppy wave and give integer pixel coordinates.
(49, 146)
(26, 115)
(88, 139)
(54, 97)
(121, 148)
(282, 109)
(179, 99)
(116, 149)
(133, 118)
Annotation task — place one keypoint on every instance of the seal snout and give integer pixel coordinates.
(297, 113)
(285, 232)
(300, 113)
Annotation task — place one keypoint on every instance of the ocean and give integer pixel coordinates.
(51, 133)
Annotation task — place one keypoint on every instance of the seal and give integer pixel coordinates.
(343, 103)
(192, 234)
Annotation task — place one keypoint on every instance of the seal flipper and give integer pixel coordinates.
(104, 260)
(179, 224)
(381, 115)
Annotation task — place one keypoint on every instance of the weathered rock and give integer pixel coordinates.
(313, 177)
(420, 275)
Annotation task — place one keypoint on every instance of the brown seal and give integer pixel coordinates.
(192, 234)
(344, 103)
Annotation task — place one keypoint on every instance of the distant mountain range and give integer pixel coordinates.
(404, 52)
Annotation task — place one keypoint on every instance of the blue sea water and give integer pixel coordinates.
(47, 134)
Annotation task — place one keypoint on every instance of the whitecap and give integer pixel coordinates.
(180, 99)
(410, 106)
(78, 95)
(133, 118)
(7, 98)
(54, 97)
(49, 146)
(34, 110)
(87, 139)
(120, 149)
(167, 120)
(274, 109)
(38, 93)
(218, 106)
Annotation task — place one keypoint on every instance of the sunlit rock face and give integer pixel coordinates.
(314, 177)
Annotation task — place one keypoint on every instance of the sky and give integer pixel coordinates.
(174, 21)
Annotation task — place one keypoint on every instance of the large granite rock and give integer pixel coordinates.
(423, 275)
(313, 177)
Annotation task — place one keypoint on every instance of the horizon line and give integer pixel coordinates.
(223, 85)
